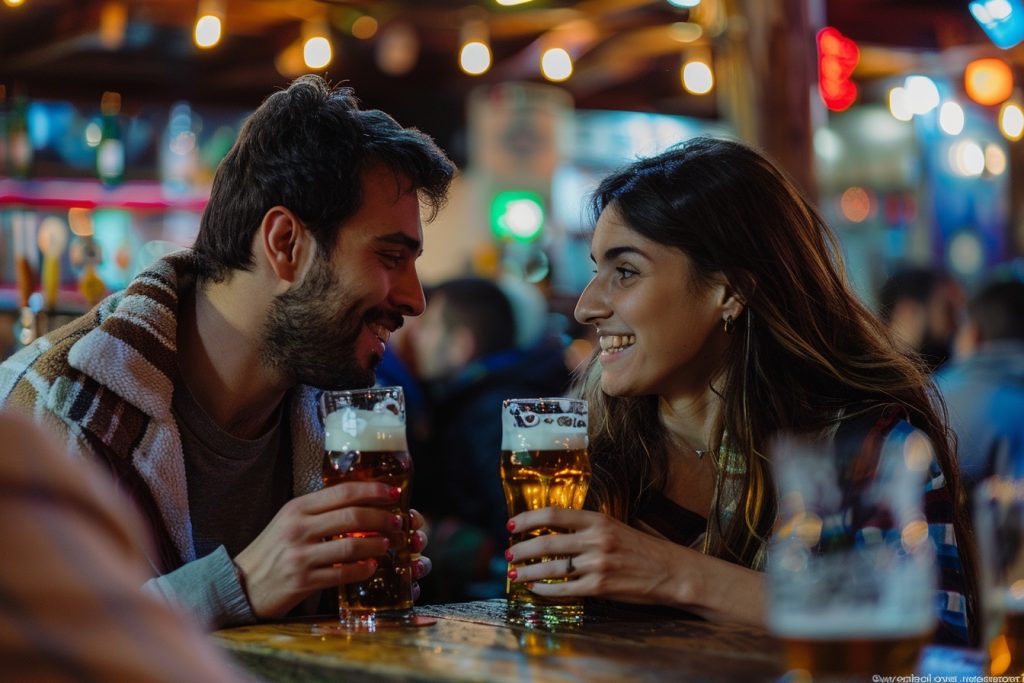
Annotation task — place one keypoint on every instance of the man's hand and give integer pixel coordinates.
(289, 560)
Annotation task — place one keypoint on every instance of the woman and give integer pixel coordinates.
(723, 318)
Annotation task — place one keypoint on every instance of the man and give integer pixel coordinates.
(922, 308)
(71, 606)
(196, 386)
(984, 386)
(465, 350)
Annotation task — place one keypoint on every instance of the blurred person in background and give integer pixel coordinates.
(71, 603)
(983, 385)
(467, 355)
(724, 318)
(197, 387)
(922, 308)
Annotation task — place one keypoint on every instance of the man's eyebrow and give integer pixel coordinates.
(615, 252)
(403, 240)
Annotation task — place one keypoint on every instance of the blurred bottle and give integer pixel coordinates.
(91, 285)
(3, 130)
(19, 145)
(179, 153)
(53, 238)
(110, 154)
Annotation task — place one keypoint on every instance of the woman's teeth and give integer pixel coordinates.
(616, 342)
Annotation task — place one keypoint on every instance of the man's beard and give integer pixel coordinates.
(311, 333)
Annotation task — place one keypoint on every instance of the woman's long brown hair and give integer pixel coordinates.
(804, 351)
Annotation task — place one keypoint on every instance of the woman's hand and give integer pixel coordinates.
(612, 560)
(609, 559)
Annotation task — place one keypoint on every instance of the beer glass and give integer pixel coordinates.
(365, 441)
(851, 568)
(999, 524)
(544, 463)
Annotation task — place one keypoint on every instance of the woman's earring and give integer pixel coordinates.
(728, 324)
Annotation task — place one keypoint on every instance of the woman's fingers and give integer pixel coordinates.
(569, 567)
(558, 518)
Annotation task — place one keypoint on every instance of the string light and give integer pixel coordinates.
(475, 58)
(556, 64)
(316, 48)
(697, 77)
(1011, 121)
(475, 55)
(209, 24)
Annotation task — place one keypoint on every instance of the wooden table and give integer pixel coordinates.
(472, 642)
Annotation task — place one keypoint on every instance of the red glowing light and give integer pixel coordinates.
(837, 58)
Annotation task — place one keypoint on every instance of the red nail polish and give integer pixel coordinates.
(394, 492)
(511, 526)
(387, 542)
(512, 574)
(508, 555)
(373, 563)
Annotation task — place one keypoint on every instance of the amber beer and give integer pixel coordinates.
(1006, 651)
(824, 657)
(544, 463)
(369, 445)
(837, 643)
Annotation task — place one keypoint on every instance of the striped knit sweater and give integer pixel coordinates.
(103, 384)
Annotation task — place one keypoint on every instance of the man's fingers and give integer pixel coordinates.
(347, 550)
(421, 566)
(355, 519)
(416, 519)
(340, 574)
(346, 494)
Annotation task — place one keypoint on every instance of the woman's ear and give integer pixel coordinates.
(285, 243)
(734, 301)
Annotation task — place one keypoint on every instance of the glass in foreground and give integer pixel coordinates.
(544, 463)
(851, 569)
(365, 441)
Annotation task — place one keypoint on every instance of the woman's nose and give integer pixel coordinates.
(591, 308)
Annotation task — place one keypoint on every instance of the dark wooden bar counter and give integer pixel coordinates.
(472, 642)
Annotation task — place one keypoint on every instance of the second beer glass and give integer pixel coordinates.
(544, 463)
(365, 441)
(851, 567)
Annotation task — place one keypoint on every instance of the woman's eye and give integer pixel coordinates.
(625, 273)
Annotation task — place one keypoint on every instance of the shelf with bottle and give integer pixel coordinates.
(64, 244)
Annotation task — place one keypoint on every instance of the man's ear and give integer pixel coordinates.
(907, 321)
(967, 340)
(461, 347)
(285, 243)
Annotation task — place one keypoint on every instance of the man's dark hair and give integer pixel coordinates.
(307, 148)
(998, 311)
(480, 306)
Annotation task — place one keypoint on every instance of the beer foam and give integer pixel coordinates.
(352, 429)
(541, 437)
(853, 622)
